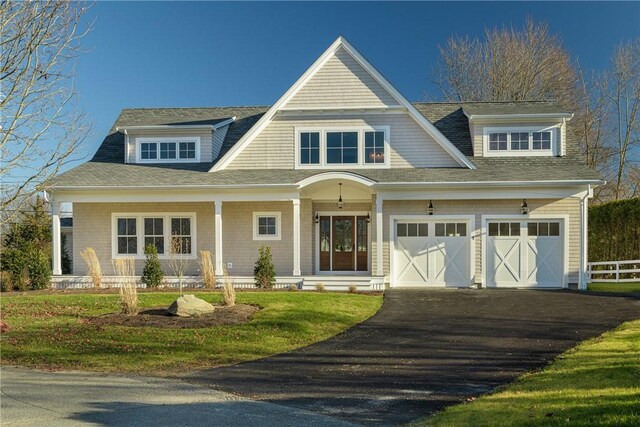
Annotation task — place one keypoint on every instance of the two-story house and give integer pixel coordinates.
(347, 182)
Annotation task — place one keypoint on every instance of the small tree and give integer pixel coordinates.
(178, 262)
(66, 260)
(152, 275)
(264, 272)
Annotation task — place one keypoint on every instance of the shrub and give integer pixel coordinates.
(264, 272)
(152, 275)
(614, 231)
(207, 270)
(6, 285)
(65, 259)
(320, 287)
(228, 293)
(38, 268)
(126, 271)
(353, 289)
(93, 265)
(293, 287)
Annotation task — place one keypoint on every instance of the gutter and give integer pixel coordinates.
(567, 116)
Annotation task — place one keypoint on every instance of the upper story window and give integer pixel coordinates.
(526, 141)
(168, 149)
(337, 147)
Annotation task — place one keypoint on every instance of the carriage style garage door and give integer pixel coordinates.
(525, 253)
(432, 253)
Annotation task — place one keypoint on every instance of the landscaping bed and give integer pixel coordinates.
(59, 330)
(159, 318)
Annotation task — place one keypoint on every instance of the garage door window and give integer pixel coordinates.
(543, 228)
(412, 229)
(451, 229)
(504, 229)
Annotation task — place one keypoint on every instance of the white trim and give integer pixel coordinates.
(530, 152)
(360, 130)
(376, 109)
(277, 215)
(379, 239)
(564, 230)
(56, 240)
(471, 235)
(567, 116)
(316, 242)
(163, 139)
(219, 267)
(224, 123)
(139, 217)
(164, 127)
(296, 237)
(345, 176)
(340, 42)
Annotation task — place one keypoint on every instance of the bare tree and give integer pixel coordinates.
(622, 86)
(507, 65)
(179, 261)
(41, 124)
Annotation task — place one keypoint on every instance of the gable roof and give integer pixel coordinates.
(342, 43)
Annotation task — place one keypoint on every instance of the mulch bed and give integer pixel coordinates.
(158, 317)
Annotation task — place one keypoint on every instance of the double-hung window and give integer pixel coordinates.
(168, 149)
(168, 232)
(541, 140)
(337, 147)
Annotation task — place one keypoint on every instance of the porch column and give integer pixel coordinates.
(379, 257)
(218, 236)
(296, 237)
(55, 239)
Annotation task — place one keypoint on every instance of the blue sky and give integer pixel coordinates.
(188, 54)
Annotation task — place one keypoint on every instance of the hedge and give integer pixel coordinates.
(614, 231)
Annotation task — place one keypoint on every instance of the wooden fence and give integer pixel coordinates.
(614, 271)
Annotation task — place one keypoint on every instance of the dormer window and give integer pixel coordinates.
(342, 147)
(525, 141)
(168, 149)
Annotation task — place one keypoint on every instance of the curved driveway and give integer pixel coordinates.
(423, 350)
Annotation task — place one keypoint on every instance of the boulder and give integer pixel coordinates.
(190, 306)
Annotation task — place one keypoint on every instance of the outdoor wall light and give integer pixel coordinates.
(524, 208)
(368, 218)
(316, 218)
(430, 209)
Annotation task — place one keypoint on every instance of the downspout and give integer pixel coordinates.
(584, 222)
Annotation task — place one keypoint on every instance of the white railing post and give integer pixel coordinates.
(617, 271)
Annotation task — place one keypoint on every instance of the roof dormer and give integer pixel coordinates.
(503, 130)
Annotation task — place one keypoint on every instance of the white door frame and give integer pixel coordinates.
(471, 227)
(317, 243)
(564, 230)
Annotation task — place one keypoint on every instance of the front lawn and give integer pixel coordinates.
(595, 383)
(49, 331)
(614, 287)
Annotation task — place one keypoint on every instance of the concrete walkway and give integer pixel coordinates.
(37, 398)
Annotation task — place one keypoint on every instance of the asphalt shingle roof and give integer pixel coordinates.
(107, 167)
(489, 108)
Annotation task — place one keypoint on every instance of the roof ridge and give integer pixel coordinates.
(195, 108)
(536, 101)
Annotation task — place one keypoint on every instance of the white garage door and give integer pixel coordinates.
(525, 253)
(429, 253)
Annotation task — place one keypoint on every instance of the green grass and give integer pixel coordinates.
(595, 383)
(48, 331)
(614, 287)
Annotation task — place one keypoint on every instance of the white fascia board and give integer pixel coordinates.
(164, 127)
(342, 42)
(224, 123)
(551, 183)
(268, 116)
(519, 116)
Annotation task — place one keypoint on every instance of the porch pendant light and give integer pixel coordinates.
(524, 208)
(340, 202)
(430, 209)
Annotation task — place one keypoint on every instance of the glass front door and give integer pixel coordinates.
(343, 243)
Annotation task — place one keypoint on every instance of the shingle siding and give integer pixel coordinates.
(341, 82)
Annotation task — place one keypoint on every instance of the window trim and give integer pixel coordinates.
(166, 226)
(278, 217)
(322, 130)
(553, 151)
(157, 140)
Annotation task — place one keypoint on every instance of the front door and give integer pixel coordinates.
(343, 243)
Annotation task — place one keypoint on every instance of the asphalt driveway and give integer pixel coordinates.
(424, 350)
